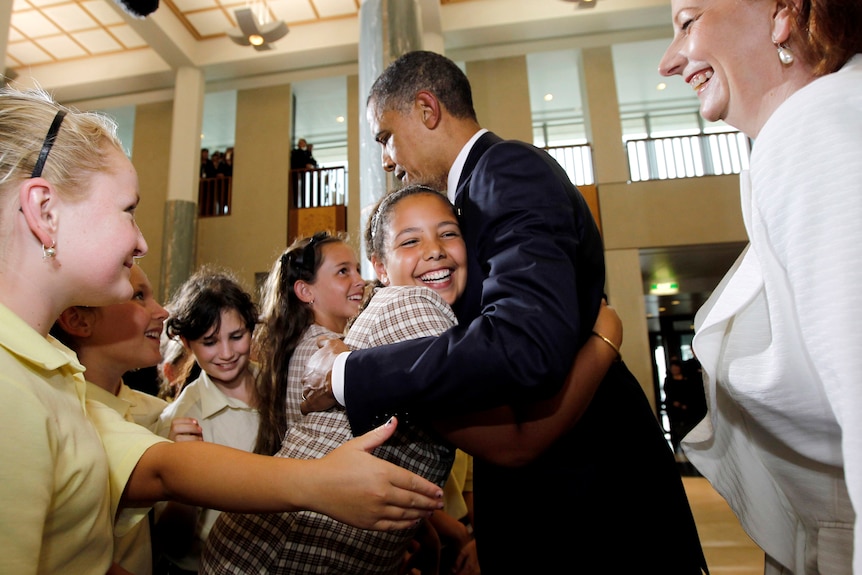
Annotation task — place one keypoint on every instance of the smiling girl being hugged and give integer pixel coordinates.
(313, 290)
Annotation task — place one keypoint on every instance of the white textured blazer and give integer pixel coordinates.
(780, 339)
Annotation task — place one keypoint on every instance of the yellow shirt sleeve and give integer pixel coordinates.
(124, 444)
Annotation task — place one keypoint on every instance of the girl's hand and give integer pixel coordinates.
(185, 429)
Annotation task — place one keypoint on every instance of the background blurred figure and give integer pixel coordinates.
(226, 167)
(684, 401)
(207, 167)
(301, 158)
(176, 369)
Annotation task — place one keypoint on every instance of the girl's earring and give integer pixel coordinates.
(48, 253)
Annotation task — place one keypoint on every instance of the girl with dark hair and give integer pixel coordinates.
(214, 318)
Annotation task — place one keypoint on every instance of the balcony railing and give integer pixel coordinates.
(214, 196)
(577, 161)
(664, 158)
(687, 156)
(319, 187)
(649, 159)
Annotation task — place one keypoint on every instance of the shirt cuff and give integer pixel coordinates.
(337, 377)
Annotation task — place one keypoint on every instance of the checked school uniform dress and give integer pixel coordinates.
(307, 542)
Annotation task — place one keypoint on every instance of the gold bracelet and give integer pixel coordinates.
(609, 342)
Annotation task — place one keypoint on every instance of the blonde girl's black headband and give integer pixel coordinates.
(50, 138)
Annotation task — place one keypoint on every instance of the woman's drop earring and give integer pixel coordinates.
(784, 54)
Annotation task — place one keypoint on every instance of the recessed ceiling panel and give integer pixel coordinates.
(332, 8)
(73, 17)
(293, 10)
(15, 36)
(97, 41)
(62, 47)
(210, 22)
(102, 11)
(28, 53)
(44, 3)
(33, 24)
(194, 5)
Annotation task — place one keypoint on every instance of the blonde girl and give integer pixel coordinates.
(74, 470)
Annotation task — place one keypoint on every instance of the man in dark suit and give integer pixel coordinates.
(606, 497)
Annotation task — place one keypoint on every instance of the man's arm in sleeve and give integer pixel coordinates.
(522, 226)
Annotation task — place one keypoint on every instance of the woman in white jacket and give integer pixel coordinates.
(779, 338)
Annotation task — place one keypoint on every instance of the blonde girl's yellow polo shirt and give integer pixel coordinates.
(56, 478)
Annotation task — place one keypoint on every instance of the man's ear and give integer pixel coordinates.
(38, 203)
(77, 321)
(430, 109)
(303, 291)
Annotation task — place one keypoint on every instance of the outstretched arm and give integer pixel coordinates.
(507, 438)
(349, 484)
(536, 277)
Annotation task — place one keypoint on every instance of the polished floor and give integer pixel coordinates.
(728, 550)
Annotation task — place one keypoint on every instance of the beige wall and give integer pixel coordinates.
(249, 240)
(672, 212)
(501, 96)
(601, 115)
(658, 213)
(151, 158)
(354, 202)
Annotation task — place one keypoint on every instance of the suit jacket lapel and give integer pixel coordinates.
(481, 146)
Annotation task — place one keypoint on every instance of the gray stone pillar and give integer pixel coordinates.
(387, 29)
(5, 22)
(179, 234)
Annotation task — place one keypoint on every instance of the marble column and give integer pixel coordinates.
(5, 22)
(387, 29)
(179, 233)
(624, 284)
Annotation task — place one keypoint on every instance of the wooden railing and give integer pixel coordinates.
(317, 202)
(318, 187)
(214, 196)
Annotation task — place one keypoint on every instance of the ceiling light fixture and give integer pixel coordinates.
(256, 28)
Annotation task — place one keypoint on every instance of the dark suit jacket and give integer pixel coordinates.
(534, 287)
(535, 280)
